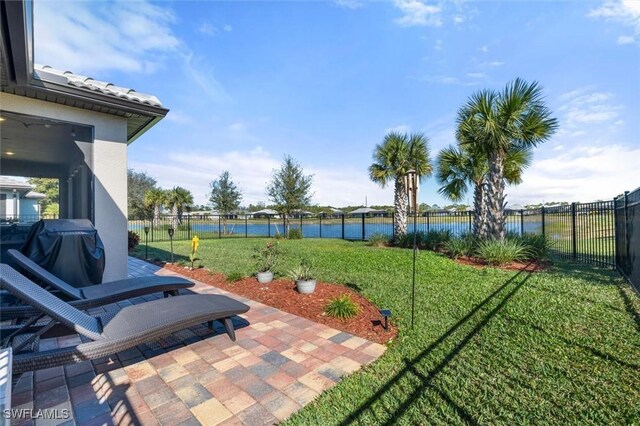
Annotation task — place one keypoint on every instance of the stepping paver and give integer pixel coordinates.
(279, 363)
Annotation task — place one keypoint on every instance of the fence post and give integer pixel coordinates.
(427, 221)
(152, 230)
(246, 227)
(269, 226)
(543, 226)
(284, 225)
(362, 226)
(342, 226)
(521, 222)
(574, 242)
(219, 227)
(189, 227)
(320, 233)
(626, 232)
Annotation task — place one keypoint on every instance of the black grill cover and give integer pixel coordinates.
(68, 248)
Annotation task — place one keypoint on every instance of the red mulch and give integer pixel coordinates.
(513, 266)
(282, 294)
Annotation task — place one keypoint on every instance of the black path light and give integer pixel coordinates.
(411, 184)
(146, 242)
(171, 231)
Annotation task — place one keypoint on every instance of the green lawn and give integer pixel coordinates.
(489, 347)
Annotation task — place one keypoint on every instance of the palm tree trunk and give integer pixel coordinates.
(480, 210)
(156, 215)
(400, 201)
(174, 219)
(496, 196)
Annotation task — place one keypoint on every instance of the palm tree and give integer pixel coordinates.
(177, 198)
(393, 158)
(514, 119)
(155, 199)
(457, 167)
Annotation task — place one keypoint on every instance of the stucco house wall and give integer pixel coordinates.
(109, 169)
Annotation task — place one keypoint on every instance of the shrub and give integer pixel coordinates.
(235, 276)
(496, 252)
(538, 246)
(435, 240)
(266, 257)
(133, 239)
(378, 240)
(406, 240)
(342, 307)
(302, 272)
(460, 246)
(295, 234)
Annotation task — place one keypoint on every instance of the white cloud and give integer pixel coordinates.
(626, 40)
(123, 36)
(585, 173)
(201, 74)
(484, 49)
(418, 13)
(400, 128)
(458, 19)
(208, 28)
(585, 107)
(626, 12)
(251, 170)
(438, 45)
(228, 28)
(491, 64)
(349, 4)
(476, 75)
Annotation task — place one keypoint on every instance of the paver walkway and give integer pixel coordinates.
(279, 363)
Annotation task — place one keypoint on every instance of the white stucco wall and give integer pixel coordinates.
(109, 169)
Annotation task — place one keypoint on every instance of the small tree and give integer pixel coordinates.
(138, 184)
(289, 189)
(177, 199)
(225, 197)
(49, 187)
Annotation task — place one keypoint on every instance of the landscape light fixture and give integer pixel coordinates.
(146, 242)
(386, 313)
(171, 231)
(411, 182)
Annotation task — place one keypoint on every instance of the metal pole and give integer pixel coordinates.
(615, 235)
(189, 227)
(269, 226)
(626, 232)
(219, 227)
(521, 222)
(246, 227)
(171, 239)
(342, 226)
(146, 245)
(574, 243)
(320, 225)
(543, 226)
(415, 249)
(362, 226)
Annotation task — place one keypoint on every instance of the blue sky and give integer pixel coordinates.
(323, 81)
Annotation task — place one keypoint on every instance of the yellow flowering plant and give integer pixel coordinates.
(195, 242)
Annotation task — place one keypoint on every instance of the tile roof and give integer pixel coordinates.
(12, 183)
(47, 73)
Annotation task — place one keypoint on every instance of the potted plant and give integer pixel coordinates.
(266, 258)
(303, 277)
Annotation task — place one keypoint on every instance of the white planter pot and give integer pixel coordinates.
(265, 277)
(306, 286)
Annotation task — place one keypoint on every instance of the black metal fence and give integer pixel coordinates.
(627, 231)
(360, 227)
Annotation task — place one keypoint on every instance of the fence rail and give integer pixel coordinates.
(627, 231)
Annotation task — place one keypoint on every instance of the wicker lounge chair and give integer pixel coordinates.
(94, 295)
(130, 326)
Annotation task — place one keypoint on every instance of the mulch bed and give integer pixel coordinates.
(282, 294)
(534, 266)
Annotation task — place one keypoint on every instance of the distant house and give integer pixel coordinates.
(18, 201)
(297, 214)
(367, 211)
(264, 213)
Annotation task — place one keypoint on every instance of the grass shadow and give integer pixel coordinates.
(410, 365)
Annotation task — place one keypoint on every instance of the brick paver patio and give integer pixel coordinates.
(279, 363)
